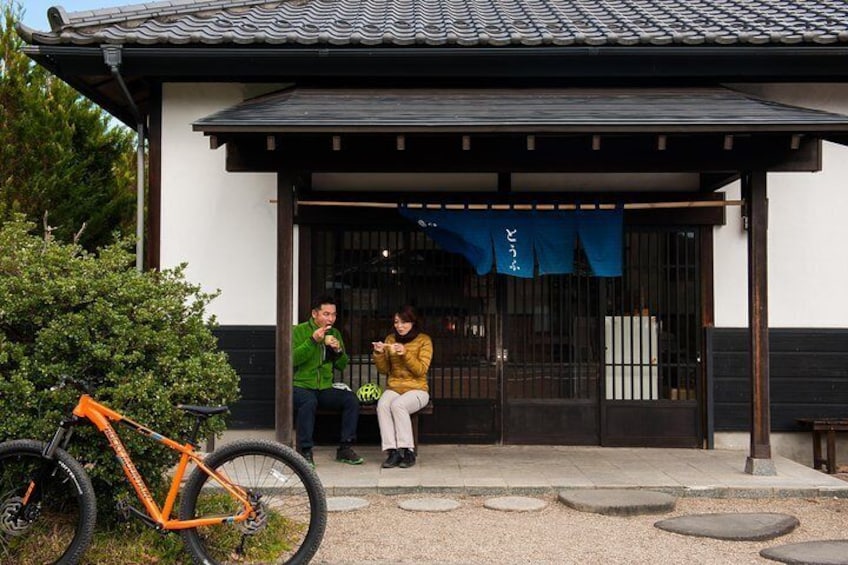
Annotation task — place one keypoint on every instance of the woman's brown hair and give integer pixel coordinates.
(407, 313)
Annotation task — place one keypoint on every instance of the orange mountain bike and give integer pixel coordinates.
(249, 502)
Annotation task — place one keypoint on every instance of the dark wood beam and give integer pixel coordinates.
(841, 139)
(723, 63)
(508, 153)
(304, 270)
(504, 183)
(304, 265)
(285, 308)
(754, 193)
(707, 302)
(154, 180)
(711, 182)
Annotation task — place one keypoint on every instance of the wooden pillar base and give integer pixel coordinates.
(760, 467)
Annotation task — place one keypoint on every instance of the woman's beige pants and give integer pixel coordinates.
(393, 412)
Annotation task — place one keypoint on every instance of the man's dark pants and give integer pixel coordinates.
(307, 401)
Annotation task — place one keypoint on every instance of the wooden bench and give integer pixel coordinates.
(831, 426)
(364, 409)
(371, 410)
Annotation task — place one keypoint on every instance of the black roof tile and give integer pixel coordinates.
(473, 23)
(539, 110)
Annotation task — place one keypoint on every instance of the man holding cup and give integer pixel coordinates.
(318, 349)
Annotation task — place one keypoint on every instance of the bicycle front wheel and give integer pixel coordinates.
(290, 507)
(47, 507)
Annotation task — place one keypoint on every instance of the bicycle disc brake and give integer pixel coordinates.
(15, 519)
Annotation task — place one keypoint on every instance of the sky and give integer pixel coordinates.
(35, 11)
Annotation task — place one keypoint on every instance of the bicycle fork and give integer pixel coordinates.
(62, 437)
(29, 505)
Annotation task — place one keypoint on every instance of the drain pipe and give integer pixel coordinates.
(112, 58)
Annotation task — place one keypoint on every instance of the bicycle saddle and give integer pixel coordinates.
(204, 411)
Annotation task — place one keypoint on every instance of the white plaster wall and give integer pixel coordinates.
(222, 224)
(808, 223)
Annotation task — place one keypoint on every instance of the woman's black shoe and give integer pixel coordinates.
(393, 459)
(407, 458)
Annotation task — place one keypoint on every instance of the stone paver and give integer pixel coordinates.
(754, 526)
(429, 504)
(345, 503)
(825, 552)
(501, 470)
(515, 504)
(618, 502)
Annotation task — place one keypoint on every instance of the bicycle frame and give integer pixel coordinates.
(101, 416)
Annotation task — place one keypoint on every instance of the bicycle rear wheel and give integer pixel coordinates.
(291, 510)
(56, 524)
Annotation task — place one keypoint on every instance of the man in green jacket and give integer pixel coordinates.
(317, 349)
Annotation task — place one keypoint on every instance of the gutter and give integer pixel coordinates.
(112, 58)
(225, 62)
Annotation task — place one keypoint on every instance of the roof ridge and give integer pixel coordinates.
(60, 19)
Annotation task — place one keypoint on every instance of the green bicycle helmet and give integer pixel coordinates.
(369, 393)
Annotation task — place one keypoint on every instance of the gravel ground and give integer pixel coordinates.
(384, 533)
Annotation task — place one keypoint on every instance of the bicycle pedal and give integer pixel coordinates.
(123, 510)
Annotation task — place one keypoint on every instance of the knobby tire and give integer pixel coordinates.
(292, 513)
(57, 529)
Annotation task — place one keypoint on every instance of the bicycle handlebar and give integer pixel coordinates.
(79, 384)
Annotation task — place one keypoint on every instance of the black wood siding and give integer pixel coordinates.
(251, 353)
(808, 376)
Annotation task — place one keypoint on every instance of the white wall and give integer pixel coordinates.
(222, 224)
(211, 218)
(808, 223)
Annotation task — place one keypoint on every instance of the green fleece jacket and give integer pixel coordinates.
(313, 369)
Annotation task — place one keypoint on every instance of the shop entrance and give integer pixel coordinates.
(558, 359)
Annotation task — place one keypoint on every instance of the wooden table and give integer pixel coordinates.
(831, 426)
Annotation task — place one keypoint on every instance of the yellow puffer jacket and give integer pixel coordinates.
(408, 371)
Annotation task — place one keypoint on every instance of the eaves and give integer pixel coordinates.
(713, 63)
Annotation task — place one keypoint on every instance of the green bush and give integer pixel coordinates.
(142, 340)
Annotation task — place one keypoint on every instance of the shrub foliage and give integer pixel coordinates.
(142, 340)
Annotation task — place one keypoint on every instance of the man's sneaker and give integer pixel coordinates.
(346, 454)
(307, 454)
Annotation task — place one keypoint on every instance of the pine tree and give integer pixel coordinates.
(59, 152)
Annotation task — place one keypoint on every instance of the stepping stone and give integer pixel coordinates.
(618, 502)
(429, 504)
(345, 503)
(825, 552)
(755, 526)
(515, 504)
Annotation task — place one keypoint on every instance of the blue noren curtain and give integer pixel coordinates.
(516, 241)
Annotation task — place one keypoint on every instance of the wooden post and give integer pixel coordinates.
(707, 325)
(759, 461)
(154, 180)
(285, 308)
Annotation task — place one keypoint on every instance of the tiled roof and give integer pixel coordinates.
(549, 110)
(473, 23)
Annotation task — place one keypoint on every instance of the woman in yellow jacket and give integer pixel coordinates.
(405, 357)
